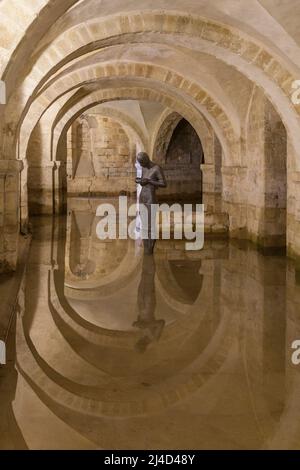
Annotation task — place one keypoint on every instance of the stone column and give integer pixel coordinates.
(266, 189)
(235, 199)
(293, 214)
(9, 213)
(60, 189)
(40, 188)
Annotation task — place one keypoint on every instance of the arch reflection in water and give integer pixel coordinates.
(214, 329)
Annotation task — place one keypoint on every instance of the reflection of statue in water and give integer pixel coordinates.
(151, 328)
(152, 178)
(84, 270)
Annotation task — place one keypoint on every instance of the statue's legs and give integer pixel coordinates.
(148, 220)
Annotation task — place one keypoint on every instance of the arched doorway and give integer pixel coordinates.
(182, 160)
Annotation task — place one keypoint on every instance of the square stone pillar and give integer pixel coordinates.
(9, 213)
(60, 187)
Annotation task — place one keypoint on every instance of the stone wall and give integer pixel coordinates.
(100, 159)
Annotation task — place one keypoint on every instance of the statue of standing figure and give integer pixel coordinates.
(152, 178)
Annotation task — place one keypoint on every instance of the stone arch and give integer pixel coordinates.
(80, 133)
(233, 150)
(134, 132)
(55, 166)
(131, 93)
(107, 283)
(91, 120)
(184, 181)
(127, 122)
(21, 23)
(182, 162)
(37, 371)
(194, 119)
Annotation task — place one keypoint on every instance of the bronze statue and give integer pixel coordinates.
(152, 178)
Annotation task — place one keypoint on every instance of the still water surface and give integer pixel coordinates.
(183, 350)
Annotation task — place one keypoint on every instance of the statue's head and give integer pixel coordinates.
(143, 159)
